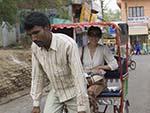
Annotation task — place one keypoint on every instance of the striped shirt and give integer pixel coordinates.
(62, 65)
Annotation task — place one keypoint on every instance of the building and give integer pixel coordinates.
(137, 14)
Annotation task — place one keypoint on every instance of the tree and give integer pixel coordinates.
(59, 5)
(8, 11)
(62, 9)
(110, 15)
(9, 8)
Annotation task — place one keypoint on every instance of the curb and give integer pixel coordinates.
(16, 95)
(19, 94)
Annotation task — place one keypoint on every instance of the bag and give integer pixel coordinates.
(96, 84)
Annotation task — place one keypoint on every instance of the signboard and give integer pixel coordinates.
(143, 19)
(138, 30)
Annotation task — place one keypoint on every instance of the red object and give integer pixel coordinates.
(81, 25)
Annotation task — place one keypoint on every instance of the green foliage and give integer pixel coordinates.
(62, 9)
(110, 15)
(37, 4)
(8, 11)
(62, 13)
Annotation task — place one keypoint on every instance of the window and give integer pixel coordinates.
(136, 11)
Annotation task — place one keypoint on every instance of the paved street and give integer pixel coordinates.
(139, 86)
(139, 91)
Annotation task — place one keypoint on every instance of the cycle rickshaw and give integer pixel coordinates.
(117, 81)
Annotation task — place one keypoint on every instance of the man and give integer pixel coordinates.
(57, 55)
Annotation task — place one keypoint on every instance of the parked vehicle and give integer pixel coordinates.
(131, 63)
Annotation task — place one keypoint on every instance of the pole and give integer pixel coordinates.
(123, 81)
(102, 7)
(126, 10)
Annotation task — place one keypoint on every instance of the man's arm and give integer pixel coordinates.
(37, 83)
(77, 72)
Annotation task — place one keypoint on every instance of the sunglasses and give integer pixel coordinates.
(93, 37)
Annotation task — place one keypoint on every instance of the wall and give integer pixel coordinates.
(7, 35)
(130, 3)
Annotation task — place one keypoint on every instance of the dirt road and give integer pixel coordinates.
(15, 71)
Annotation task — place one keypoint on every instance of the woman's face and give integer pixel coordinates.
(38, 36)
(93, 40)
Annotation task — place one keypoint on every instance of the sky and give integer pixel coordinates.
(111, 4)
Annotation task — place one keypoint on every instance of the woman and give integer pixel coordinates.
(94, 56)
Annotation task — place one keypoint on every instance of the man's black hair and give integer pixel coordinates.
(36, 19)
(94, 31)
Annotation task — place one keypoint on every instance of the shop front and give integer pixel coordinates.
(138, 33)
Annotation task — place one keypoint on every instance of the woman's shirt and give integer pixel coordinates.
(101, 55)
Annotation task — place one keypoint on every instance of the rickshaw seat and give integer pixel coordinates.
(110, 92)
(114, 91)
(115, 74)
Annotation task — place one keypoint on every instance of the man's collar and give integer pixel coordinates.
(53, 43)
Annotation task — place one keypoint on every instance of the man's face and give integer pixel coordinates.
(38, 35)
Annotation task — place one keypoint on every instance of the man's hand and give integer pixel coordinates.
(81, 112)
(36, 110)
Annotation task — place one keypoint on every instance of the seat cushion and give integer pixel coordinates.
(111, 92)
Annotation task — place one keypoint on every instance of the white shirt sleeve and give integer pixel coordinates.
(37, 81)
(110, 59)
